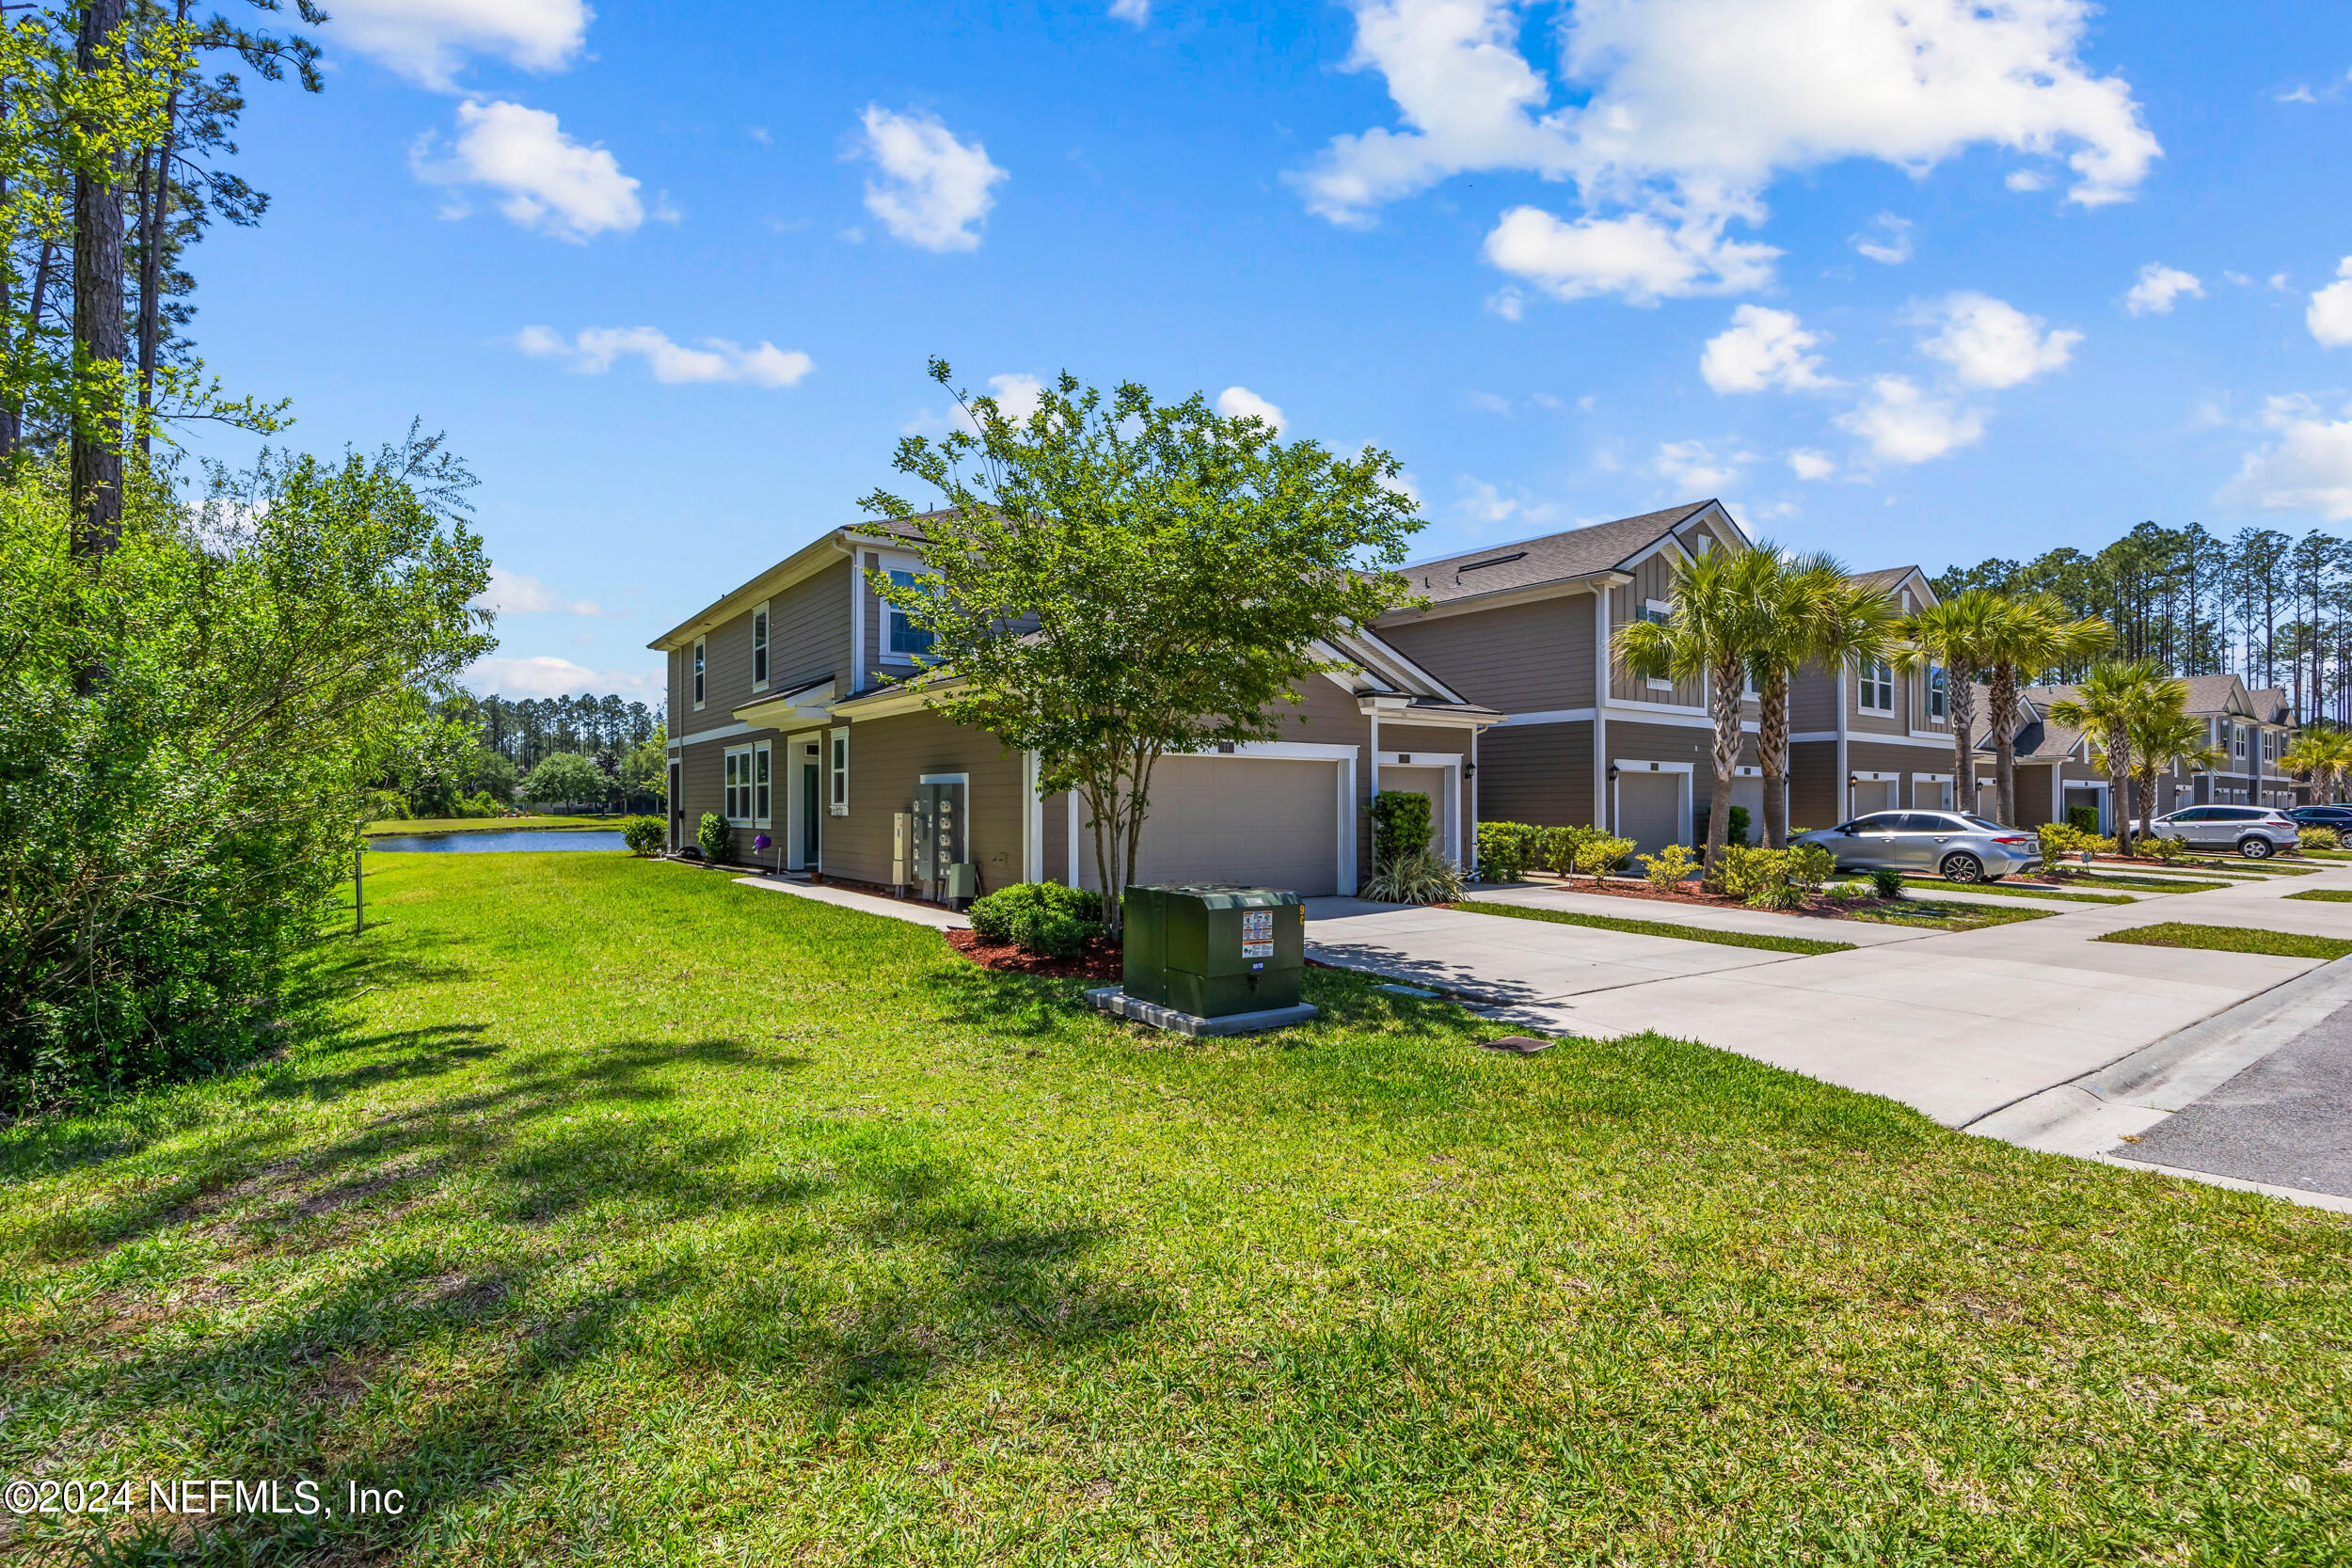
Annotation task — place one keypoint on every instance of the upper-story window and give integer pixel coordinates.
(1939, 693)
(760, 647)
(698, 674)
(906, 638)
(2237, 741)
(1659, 611)
(1877, 687)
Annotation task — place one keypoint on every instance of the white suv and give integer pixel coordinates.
(2255, 832)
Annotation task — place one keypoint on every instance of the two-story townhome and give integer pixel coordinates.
(792, 715)
(2252, 730)
(1872, 737)
(1526, 629)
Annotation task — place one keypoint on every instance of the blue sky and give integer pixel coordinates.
(1901, 280)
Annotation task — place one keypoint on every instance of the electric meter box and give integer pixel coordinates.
(1212, 950)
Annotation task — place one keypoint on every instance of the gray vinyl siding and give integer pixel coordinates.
(726, 676)
(1539, 773)
(808, 629)
(1652, 580)
(888, 757)
(1812, 701)
(1532, 658)
(1816, 790)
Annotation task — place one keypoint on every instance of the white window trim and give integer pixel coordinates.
(887, 561)
(763, 639)
(837, 772)
(763, 752)
(695, 676)
(1663, 608)
(737, 761)
(1864, 685)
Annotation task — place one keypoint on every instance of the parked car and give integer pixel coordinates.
(2255, 832)
(1950, 844)
(2338, 817)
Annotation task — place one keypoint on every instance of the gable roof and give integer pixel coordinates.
(2215, 694)
(2270, 706)
(1552, 558)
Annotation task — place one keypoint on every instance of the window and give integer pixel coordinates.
(698, 674)
(759, 784)
(2237, 741)
(840, 798)
(760, 647)
(738, 791)
(1655, 610)
(1938, 696)
(906, 638)
(1877, 687)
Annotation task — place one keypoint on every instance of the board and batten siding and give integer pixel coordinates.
(1653, 580)
(1532, 658)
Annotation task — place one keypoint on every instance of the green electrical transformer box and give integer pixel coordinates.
(1214, 950)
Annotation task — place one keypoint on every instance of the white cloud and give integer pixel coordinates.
(545, 676)
(1991, 343)
(2298, 94)
(2331, 315)
(2158, 287)
(595, 349)
(1016, 394)
(1638, 256)
(550, 181)
(1904, 426)
(1888, 239)
(1694, 469)
(1236, 402)
(2308, 470)
(1484, 507)
(1762, 348)
(1487, 402)
(1508, 303)
(1680, 114)
(2027, 179)
(513, 593)
(1136, 11)
(935, 191)
(427, 41)
(1807, 463)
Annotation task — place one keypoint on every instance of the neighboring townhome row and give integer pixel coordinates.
(789, 718)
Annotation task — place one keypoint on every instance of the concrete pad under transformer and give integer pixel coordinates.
(1110, 999)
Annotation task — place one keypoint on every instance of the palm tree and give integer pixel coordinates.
(1812, 612)
(2321, 758)
(2030, 635)
(2165, 738)
(1717, 622)
(1955, 634)
(2110, 703)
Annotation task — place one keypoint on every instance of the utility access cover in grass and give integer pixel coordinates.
(2232, 939)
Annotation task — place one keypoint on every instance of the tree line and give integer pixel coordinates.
(2271, 608)
(542, 751)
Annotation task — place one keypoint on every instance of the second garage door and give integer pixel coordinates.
(1649, 810)
(1262, 822)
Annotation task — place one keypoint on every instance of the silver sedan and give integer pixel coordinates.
(1947, 843)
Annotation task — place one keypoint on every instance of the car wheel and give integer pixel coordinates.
(2254, 848)
(1962, 868)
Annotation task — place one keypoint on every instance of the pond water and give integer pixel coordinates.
(491, 841)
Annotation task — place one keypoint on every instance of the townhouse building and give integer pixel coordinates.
(796, 716)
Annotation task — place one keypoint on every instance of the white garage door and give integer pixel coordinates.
(1258, 821)
(1649, 810)
(1872, 794)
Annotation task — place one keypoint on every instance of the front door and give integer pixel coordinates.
(808, 820)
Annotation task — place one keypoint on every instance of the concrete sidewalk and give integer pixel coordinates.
(908, 910)
(1957, 1024)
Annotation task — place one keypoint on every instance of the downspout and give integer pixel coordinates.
(1603, 614)
(1469, 807)
(1845, 778)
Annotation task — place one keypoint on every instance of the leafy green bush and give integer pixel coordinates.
(1737, 832)
(1773, 878)
(2318, 838)
(1848, 893)
(1505, 850)
(643, 835)
(1400, 824)
(1042, 918)
(2061, 839)
(2154, 847)
(1670, 867)
(714, 836)
(1886, 882)
(1597, 854)
(2084, 821)
(1422, 877)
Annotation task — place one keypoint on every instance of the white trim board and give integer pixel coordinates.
(725, 731)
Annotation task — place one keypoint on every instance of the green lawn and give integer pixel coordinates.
(2231, 939)
(2144, 884)
(1937, 915)
(1656, 929)
(619, 1214)
(2007, 890)
(488, 824)
(2324, 894)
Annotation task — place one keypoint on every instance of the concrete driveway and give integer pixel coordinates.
(1958, 1023)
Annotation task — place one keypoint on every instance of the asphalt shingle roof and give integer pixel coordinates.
(1554, 558)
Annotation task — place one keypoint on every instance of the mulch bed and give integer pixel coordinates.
(1820, 909)
(1100, 961)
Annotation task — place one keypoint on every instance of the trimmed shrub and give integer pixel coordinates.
(1596, 853)
(1400, 824)
(2084, 821)
(1773, 878)
(1886, 882)
(2318, 838)
(1422, 877)
(1505, 850)
(1045, 919)
(1670, 867)
(714, 836)
(2157, 848)
(643, 835)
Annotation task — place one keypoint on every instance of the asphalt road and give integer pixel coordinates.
(2285, 1120)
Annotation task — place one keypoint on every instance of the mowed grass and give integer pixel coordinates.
(2183, 883)
(2010, 890)
(1805, 945)
(486, 824)
(629, 1216)
(1949, 915)
(2324, 894)
(2231, 939)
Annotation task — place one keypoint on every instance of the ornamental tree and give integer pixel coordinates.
(1111, 579)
